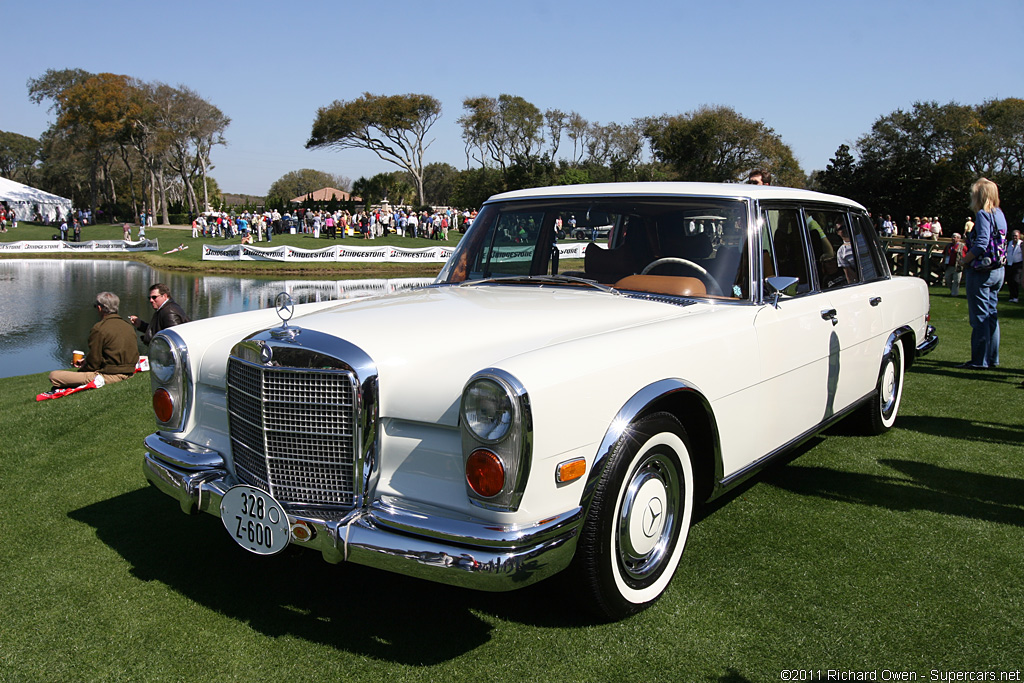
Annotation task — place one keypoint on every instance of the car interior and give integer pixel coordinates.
(657, 246)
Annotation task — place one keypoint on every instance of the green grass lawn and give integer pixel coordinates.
(903, 552)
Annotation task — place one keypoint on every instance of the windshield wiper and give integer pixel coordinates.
(543, 280)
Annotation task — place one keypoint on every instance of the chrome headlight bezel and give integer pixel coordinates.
(509, 438)
(170, 373)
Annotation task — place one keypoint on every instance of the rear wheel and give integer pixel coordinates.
(879, 414)
(639, 518)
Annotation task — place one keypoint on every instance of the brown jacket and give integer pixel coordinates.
(112, 347)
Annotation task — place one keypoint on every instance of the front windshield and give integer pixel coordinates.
(686, 246)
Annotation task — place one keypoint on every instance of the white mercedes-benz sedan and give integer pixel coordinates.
(543, 406)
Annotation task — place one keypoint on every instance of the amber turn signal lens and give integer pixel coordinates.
(484, 473)
(570, 470)
(163, 405)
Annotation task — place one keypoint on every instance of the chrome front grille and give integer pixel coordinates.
(293, 432)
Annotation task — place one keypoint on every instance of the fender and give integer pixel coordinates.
(645, 401)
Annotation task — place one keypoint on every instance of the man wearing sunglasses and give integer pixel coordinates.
(168, 313)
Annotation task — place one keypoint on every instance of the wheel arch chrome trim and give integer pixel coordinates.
(647, 400)
(906, 334)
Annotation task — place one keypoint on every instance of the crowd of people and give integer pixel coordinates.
(926, 228)
(8, 214)
(986, 255)
(320, 224)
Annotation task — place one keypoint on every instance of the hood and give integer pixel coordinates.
(427, 343)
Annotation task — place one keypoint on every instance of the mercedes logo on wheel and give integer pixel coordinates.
(652, 516)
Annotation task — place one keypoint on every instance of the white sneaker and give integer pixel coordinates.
(1013, 301)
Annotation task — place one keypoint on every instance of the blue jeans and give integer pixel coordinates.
(982, 297)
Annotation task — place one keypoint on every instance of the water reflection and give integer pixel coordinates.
(46, 307)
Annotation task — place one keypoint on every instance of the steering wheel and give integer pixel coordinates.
(709, 282)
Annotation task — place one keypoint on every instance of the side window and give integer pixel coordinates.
(784, 248)
(869, 249)
(834, 258)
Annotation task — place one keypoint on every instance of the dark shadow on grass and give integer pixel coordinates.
(1000, 375)
(979, 431)
(346, 606)
(971, 495)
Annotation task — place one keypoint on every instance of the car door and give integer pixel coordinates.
(848, 277)
(798, 347)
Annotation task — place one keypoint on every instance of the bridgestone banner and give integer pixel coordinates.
(337, 253)
(62, 247)
(342, 254)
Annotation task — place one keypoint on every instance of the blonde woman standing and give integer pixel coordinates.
(986, 251)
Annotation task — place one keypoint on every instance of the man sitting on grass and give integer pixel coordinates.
(113, 351)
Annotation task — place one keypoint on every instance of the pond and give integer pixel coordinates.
(46, 308)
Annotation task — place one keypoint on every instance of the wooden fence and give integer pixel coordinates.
(920, 257)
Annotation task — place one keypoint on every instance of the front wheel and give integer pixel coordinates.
(639, 519)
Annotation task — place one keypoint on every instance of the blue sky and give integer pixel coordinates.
(819, 73)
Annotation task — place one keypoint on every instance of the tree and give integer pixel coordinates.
(578, 130)
(573, 176)
(474, 186)
(507, 130)
(1002, 123)
(18, 154)
(304, 181)
(717, 144)
(922, 161)
(98, 111)
(52, 83)
(616, 146)
(556, 121)
(839, 177)
(391, 186)
(133, 137)
(193, 126)
(919, 162)
(394, 127)
(439, 183)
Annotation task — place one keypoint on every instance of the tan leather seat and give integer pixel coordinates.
(663, 284)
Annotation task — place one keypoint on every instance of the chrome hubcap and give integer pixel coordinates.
(889, 390)
(647, 516)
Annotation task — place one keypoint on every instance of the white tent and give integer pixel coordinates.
(27, 201)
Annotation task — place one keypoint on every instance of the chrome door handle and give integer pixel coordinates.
(875, 300)
(830, 314)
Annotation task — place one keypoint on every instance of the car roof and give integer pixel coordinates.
(723, 190)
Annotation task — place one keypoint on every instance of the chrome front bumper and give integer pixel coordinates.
(415, 540)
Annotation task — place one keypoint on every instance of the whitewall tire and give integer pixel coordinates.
(879, 414)
(639, 518)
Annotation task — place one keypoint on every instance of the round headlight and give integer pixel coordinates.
(161, 360)
(487, 410)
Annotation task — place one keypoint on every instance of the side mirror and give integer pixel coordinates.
(778, 285)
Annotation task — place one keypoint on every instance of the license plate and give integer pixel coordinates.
(255, 520)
